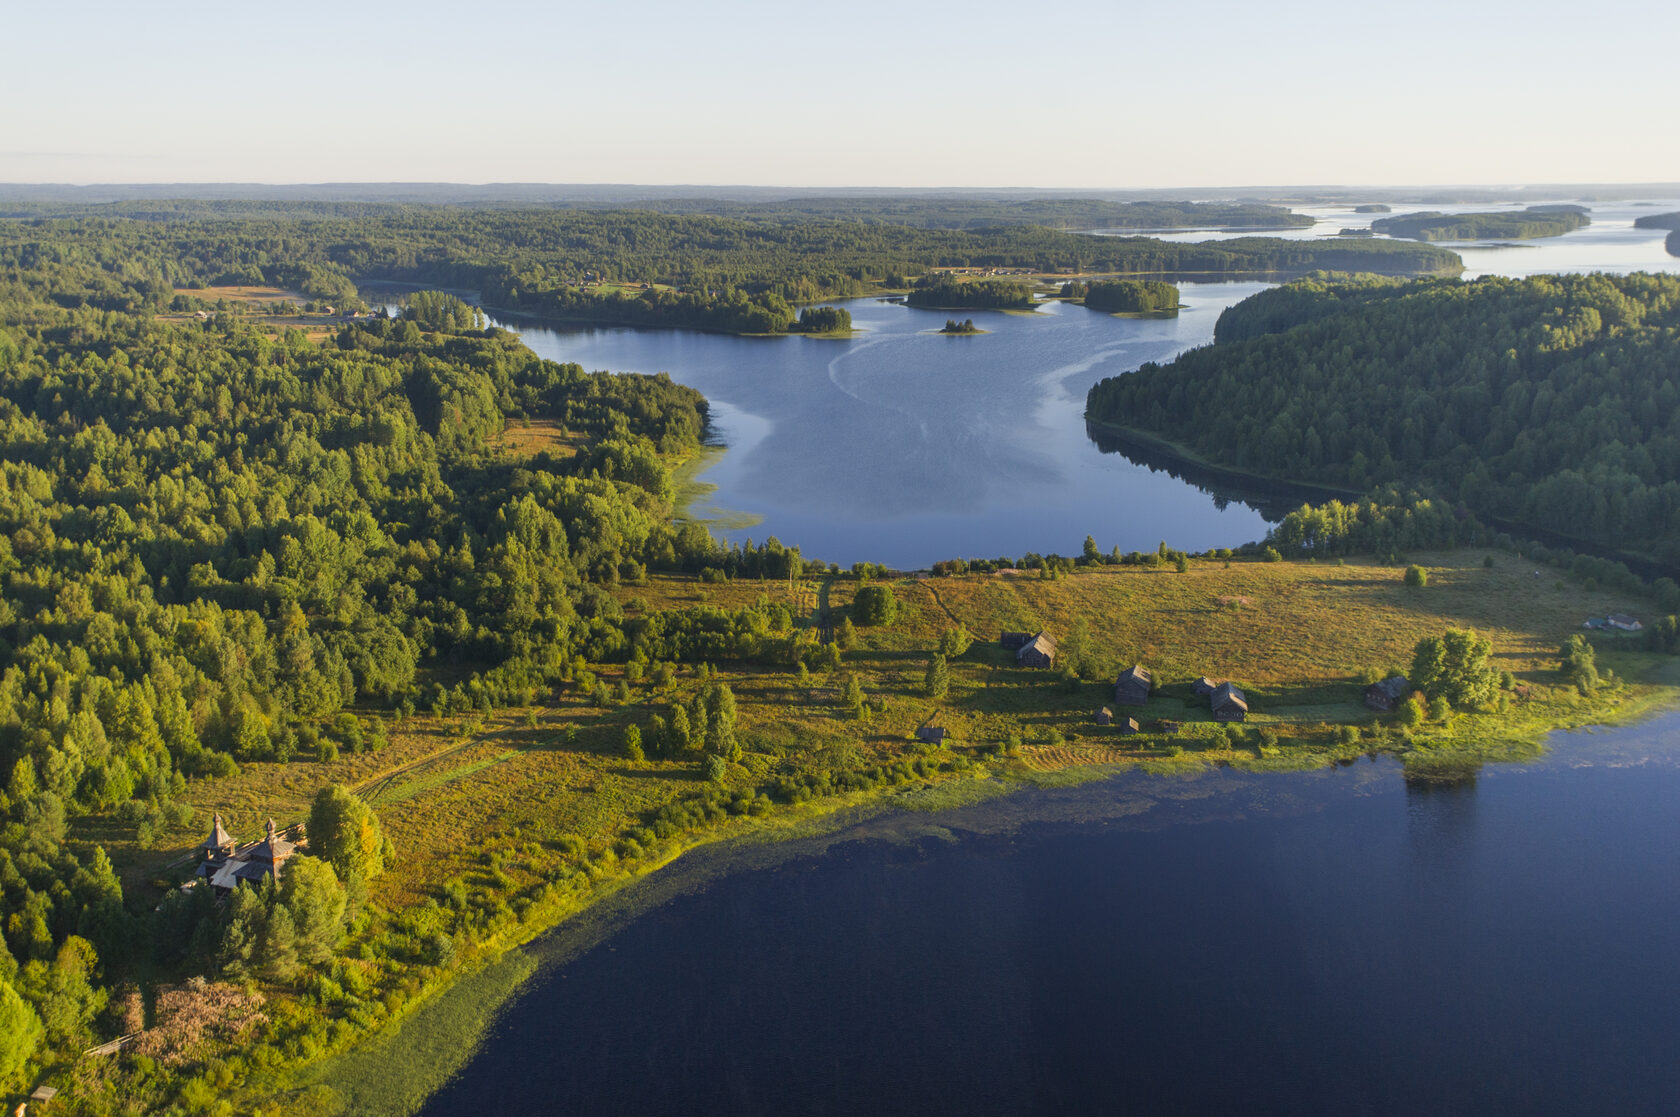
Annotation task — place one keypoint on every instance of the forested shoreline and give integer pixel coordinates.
(735, 274)
(1547, 400)
(1535, 221)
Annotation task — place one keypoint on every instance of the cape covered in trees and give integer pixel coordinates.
(1535, 221)
(1550, 401)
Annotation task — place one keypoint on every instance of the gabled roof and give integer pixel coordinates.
(1137, 672)
(1227, 692)
(1043, 642)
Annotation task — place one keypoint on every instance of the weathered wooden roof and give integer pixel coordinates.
(1136, 673)
(1227, 694)
(1392, 687)
(219, 837)
(1043, 642)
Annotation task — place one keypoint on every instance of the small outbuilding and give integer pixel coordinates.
(1133, 686)
(1127, 726)
(1203, 687)
(1228, 703)
(1623, 622)
(932, 734)
(1013, 641)
(1040, 651)
(1386, 695)
(1105, 716)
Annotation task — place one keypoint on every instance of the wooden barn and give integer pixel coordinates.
(1127, 725)
(1203, 687)
(1013, 641)
(1040, 651)
(1386, 695)
(1105, 716)
(1228, 703)
(1133, 686)
(932, 734)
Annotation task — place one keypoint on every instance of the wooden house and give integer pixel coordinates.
(932, 734)
(1040, 652)
(1133, 686)
(1127, 725)
(1623, 622)
(1389, 693)
(1228, 703)
(1013, 641)
(1203, 687)
(1105, 716)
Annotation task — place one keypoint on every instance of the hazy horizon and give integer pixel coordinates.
(936, 96)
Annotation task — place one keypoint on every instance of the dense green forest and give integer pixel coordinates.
(1125, 296)
(1535, 221)
(632, 267)
(214, 541)
(1550, 401)
(952, 212)
(1657, 221)
(952, 293)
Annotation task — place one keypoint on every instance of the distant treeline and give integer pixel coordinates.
(945, 293)
(722, 272)
(1374, 207)
(1535, 221)
(1657, 221)
(1673, 243)
(971, 213)
(1125, 296)
(1549, 401)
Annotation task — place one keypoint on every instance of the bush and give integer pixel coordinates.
(1416, 576)
(875, 604)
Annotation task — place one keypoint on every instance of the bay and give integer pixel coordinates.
(1336, 941)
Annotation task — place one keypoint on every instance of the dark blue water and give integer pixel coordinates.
(1330, 942)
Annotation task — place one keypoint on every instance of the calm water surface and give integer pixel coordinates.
(905, 447)
(1329, 942)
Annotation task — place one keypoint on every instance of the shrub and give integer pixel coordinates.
(1416, 576)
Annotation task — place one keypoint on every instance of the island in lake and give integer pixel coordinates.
(1125, 296)
(948, 292)
(1373, 207)
(966, 326)
(1535, 221)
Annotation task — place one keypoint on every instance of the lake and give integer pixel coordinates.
(1327, 942)
(905, 447)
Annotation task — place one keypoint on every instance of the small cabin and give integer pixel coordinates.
(1386, 695)
(931, 734)
(1105, 716)
(1127, 726)
(1623, 622)
(1203, 687)
(1013, 641)
(1228, 703)
(1133, 686)
(1038, 652)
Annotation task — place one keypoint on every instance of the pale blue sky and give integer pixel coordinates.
(892, 94)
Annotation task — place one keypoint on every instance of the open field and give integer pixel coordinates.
(248, 296)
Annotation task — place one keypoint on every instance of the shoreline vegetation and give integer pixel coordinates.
(965, 328)
(1535, 221)
(1293, 727)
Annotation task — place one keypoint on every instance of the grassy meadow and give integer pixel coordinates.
(507, 823)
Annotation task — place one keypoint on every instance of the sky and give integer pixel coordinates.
(919, 94)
